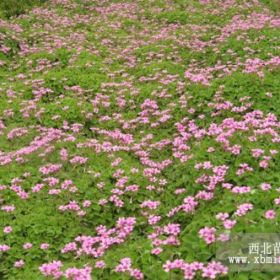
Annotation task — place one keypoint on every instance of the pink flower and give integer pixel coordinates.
(19, 264)
(44, 246)
(150, 204)
(86, 203)
(78, 274)
(228, 224)
(154, 219)
(78, 160)
(4, 248)
(125, 265)
(270, 214)
(27, 246)
(223, 237)
(222, 216)
(277, 201)
(265, 186)
(8, 208)
(198, 78)
(156, 251)
(72, 246)
(52, 269)
(100, 264)
(208, 234)
(7, 229)
(243, 209)
(50, 168)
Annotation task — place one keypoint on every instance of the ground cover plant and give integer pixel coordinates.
(135, 136)
(11, 8)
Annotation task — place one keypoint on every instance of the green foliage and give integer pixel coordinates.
(274, 5)
(11, 8)
(174, 17)
(101, 69)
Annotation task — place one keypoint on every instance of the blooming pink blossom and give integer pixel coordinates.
(270, 214)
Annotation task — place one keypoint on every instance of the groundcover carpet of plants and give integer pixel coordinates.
(136, 137)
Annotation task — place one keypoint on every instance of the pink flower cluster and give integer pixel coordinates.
(53, 270)
(213, 270)
(50, 168)
(242, 209)
(166, 235)
(125, 266)
(208, 234)
(78, 160)
(198, 78)
(97, 246)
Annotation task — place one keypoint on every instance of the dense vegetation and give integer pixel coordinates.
(135, 136)
(9, 8)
